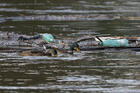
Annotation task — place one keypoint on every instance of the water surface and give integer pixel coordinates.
(94, 71)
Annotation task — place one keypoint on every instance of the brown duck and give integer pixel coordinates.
(50, 52)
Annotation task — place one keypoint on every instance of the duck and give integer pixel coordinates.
(50, 51)
(39, 52)
(74, 47)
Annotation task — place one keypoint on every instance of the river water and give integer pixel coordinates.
(85, 72)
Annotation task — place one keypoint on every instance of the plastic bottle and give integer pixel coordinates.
(115, 43)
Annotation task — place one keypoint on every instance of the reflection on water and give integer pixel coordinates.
(94, 71)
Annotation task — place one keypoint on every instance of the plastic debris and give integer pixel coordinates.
(48, 38)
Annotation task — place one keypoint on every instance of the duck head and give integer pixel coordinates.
(74, 47)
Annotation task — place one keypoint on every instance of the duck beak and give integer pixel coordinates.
(78, 50)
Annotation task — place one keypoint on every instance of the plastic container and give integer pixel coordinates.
(115, 43)
(48, 38)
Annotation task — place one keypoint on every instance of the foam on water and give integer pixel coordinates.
(50, 58)
(78, 78)
(124, 82)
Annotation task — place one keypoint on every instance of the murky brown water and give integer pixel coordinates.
(95, 71)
